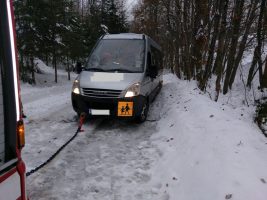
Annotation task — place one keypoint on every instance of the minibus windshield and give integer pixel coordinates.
(120, 55)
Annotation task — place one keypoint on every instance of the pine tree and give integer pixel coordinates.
(63, 31)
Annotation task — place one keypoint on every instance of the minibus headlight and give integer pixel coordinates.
(76, 87)
(133, 90)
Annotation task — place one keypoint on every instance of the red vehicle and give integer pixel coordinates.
(12, 168)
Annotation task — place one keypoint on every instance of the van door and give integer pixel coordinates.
(10, 186)
(10, 183)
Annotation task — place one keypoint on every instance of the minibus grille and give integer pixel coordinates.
(100, 93)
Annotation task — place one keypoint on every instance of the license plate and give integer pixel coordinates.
(125, 109)
(99, 112)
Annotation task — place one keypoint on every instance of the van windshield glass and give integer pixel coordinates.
(120, 55)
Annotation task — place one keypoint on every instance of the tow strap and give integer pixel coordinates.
(81, 121)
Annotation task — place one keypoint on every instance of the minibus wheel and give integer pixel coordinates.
(144, 112)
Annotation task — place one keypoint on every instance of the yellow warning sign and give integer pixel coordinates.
(125, 109)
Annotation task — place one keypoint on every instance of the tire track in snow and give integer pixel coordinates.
(110, 160)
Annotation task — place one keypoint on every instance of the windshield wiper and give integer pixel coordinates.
(120, 70)
(94, 69)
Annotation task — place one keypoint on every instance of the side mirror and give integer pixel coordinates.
(79, 67)
(153, 71)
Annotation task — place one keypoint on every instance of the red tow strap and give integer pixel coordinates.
(81, 121)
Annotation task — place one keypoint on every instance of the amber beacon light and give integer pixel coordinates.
(21, 134)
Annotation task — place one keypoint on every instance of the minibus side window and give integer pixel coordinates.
(148, 66)
(157, 58)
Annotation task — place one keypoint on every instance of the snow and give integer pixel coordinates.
(191, 148)
(104, 28)
(124, 36)
(208, 147)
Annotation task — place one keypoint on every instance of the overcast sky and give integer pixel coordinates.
(131, 1)
(129, 6)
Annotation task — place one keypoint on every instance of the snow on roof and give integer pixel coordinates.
(124, 36)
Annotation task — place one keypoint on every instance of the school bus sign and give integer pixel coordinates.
(125, 109)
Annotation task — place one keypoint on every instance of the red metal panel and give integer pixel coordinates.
(7, 174)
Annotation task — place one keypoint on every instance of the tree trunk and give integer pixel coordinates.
(260, 38)
(46, 59)
(68, 68)
(234, 41)
(32, 70)
(200, 22)
(218, 65)
(242, 46)
(208, 67)
(252, 68)
(264, 76)
(55, 63)
(258, 49)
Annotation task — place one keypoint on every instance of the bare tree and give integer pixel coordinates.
(258, 50)
(202, 38)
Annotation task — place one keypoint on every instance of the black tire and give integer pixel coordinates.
(144, 112)
(78, 113)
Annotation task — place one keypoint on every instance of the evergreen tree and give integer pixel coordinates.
(63, 31)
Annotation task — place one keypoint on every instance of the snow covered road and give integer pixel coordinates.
(195, 149)
(110, 160)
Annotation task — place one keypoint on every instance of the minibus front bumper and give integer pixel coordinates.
(116, 107)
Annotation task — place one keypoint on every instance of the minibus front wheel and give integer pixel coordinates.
(144, 112)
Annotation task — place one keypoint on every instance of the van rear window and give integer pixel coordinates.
(121, 55)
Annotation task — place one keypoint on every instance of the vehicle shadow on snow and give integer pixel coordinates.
(154, 116)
